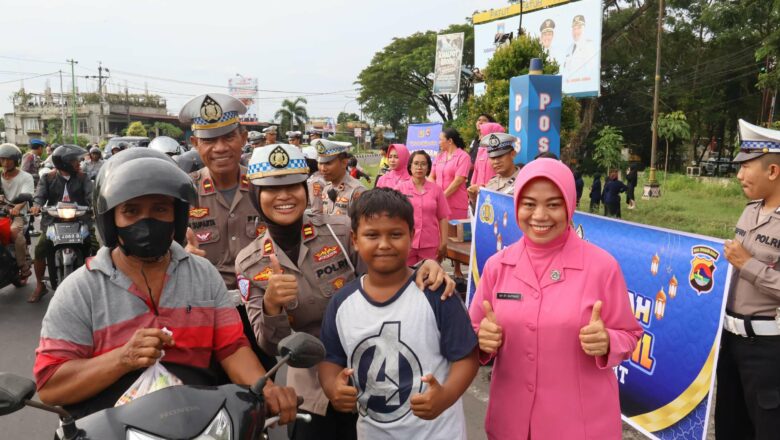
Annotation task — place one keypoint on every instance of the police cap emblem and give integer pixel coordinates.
(210, 110)
(279, 158)
(493, 141)
(320, 148)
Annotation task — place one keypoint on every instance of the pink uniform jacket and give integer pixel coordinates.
(483, 170)
(543, 385)
(430, 206)
(400, 174)
(446, 169)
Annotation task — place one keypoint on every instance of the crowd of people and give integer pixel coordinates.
(247, 240)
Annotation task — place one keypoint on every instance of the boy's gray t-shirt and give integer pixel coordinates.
(21, 184)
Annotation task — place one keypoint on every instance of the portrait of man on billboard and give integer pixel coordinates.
(546, 33)
(581, 54)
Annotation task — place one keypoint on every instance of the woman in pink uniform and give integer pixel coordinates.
(430, 211)
(483, 171)
(397, 160)
(450, 170)
(553, 311)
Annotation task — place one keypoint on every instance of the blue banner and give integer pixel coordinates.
(535, 115)
(424, 137)
(677, 285)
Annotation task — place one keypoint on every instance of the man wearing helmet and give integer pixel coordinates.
(106, 324)
(66, 183)
(92, 163)
(13, 183)
(166, 145)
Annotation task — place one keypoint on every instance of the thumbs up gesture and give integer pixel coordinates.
(281, 289)
(594, 337)
(192, 244)
(344, 396)
(490, 334)
(432, 402)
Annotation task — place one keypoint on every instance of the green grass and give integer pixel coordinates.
(704, 207)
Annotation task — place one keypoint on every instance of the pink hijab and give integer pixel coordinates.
(542, 255)
(393, 178)
(490, 127)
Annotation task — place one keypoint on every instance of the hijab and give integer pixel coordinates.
(543, 255)
(490, 127)
(400, 174)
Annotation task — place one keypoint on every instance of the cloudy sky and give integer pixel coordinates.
(180, 49)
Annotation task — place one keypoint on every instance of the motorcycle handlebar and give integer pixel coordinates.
(306, 418)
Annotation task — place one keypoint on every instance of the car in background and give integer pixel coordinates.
(723, 165)
(131, 141)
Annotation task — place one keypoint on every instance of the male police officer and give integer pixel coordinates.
(335, 188)
(294, 138)
(270, 135)
(501, 152)
(547, 32)
(748, 398)
(256, 140)
(223, 220)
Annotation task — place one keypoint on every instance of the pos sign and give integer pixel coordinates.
(535, 115)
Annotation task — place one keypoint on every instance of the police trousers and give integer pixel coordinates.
(747, 403)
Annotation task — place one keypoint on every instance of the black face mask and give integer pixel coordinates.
(146, 238)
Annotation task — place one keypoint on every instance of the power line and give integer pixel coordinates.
(29, 77)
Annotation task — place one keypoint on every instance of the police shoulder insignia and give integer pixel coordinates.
(199, 212)
(208, 186)
(268, 247)
(260, 230)
(244, 181)
(279, 158)
(243, 287)
(210, 110)
(308, 231)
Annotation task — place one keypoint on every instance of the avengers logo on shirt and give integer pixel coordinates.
(387, 374)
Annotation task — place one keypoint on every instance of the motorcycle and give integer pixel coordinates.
(9, 271)
(224, 412)
(69, 234)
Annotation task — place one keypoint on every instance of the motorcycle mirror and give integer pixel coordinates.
(14, 390)
(305, 350)
(22, 198)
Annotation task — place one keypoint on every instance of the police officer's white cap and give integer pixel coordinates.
(499, 144)
(329, 150)
(756, 141)
(276, 165)
(255, 137)
(293, 134)
(271, 129)
(212, 114)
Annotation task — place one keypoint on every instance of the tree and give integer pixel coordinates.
(166, 129)
(672, 127)
(292, 113)
(2, 124)
(136, 129)
(607, 152)
(398, 84)
(53, 131)
(346, 117)
(82, 141)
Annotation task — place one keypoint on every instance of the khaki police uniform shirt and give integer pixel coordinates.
(222, 230)
(505, 185)
(347, 191)
(322, 269)
(755, 290)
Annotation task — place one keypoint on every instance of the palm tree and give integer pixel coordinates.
(292, 114)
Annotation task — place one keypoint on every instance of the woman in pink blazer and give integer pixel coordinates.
(553, 311)
(397, 160)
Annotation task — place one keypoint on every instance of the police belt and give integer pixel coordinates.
(750, 326)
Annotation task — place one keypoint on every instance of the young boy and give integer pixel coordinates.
(409, 355)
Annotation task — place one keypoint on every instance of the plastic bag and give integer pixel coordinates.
(154, 378)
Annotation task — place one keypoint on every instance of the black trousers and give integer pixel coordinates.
(334, 425)
(747, 404)
(612, 209)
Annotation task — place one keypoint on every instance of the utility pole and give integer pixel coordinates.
(127, 105)
(652, 187)
(73, 87)
(62, 107)
(100, 77)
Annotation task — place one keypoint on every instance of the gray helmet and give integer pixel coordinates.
(94, 150)
(255, 136)
(165, 144)
(141, 176)
(11, 151)
(189, 162)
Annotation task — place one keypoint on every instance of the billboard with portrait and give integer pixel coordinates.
(449, 56)
(570, 32)
(424, 137)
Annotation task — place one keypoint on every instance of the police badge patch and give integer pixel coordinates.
(210, 110)
(243, 287)
(279, 158)
(493, 141)
(320, 148)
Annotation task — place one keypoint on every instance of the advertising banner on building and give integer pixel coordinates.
(677, 285)
(535, 115)
(449, 56)
(570, 32)
(424, 137)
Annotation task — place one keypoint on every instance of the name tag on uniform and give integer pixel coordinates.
(510, 296)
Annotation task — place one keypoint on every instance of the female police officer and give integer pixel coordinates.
(289, 273)
(105, 324)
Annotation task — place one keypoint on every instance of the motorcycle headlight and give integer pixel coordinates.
(66, 213)
(220, 428)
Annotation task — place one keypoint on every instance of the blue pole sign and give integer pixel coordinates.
(535, 115)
